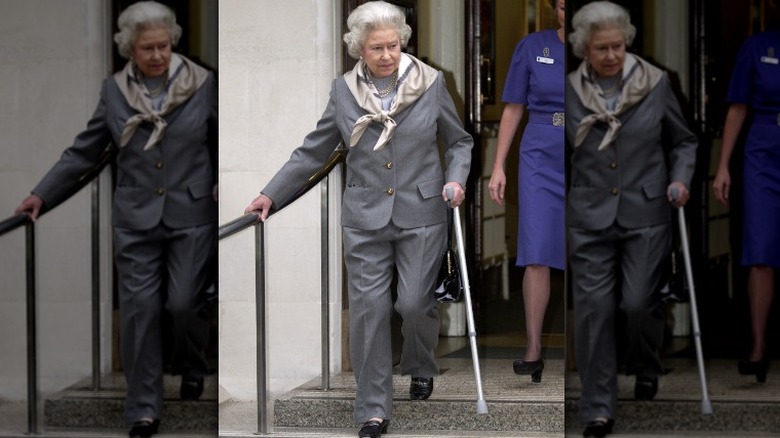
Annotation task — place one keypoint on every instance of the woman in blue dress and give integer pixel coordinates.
(755, 90)
(535, 83)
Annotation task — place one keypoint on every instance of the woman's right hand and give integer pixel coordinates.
(497, 186)
(31, 206)
(721, 186)
(260, 205)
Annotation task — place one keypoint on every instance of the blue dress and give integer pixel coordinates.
(756, 82)
(536, 80)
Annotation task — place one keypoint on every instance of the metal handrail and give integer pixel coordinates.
(247, 220)
(13, 223)
(22, 219)
(250, 219)
(32, 334)
(17, 220)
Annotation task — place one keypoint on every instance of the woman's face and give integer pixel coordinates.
(606, 51)
(382, 52)
(560, 12)
(152, 51)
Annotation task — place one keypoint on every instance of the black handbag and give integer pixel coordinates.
(448, 287)
(674, 287)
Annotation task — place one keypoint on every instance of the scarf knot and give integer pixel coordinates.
(133, 122)
(362, 123)
(587, 123)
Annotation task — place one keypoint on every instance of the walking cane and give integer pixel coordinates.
(706, 407)
(481, 404)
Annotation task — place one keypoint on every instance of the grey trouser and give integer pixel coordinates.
(371, 259)
(612, 266)
(155, 268)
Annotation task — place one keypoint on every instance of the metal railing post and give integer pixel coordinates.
(96, 284)
(32, 336)
(260, 319)
(325, 288)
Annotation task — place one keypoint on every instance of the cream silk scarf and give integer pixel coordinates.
(414, 78)
(184, 78)
(639, 77)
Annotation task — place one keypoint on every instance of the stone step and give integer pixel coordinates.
(514, 403)
(739, 403)
(79, 407)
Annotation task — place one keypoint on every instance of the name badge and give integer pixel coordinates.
(764, 59)
(544, 60)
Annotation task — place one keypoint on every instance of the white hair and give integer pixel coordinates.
(597, 16)
(371, 16)
(141, 16)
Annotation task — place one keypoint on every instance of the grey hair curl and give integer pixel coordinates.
(371, 16)
(597, 16)
(141, 16)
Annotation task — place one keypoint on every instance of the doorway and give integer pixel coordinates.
(493, 29)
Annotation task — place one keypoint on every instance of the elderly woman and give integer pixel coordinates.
(160, 111)
(390, 109)
(536, 84)
(632, 155)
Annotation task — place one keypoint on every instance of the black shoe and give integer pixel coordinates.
(598, 428)
(144, 428)
(421, 388)
(534, 368)
(191, 388)
(645, 388)
(373, 429)
(759, 368)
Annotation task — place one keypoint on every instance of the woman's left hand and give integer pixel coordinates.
(682, 193)
(458, 196)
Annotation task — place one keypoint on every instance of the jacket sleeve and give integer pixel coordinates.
(457, 142)
(681, 141)
(307, 158)
(63, 177)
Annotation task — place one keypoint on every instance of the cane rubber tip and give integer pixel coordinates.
(706, 407)
(482, 407)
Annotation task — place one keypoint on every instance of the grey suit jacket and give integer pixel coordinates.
(401, 182)
(626, 182)
(171, 183)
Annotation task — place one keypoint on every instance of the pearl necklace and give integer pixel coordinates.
(156, 91)
(384, 92)
(612, 88)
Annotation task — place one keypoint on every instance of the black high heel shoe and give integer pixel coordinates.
(532, 367)
(373, 429)
(759, 368)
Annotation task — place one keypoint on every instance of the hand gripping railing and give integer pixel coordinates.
(19, 220)
(250, 219)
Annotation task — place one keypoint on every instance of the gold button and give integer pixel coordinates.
(158, 165)
(615, 191)
(389, 165)
(390, 191)
(613, 165)
(160, 191)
